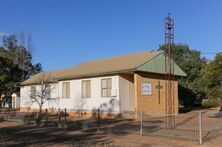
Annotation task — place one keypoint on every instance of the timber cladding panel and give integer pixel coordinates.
(154, 104)
(126, 95)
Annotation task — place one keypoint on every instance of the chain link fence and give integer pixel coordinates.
(198, 126)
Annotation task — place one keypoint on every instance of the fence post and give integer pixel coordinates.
(46, 111)
(65, 118)
(36, 119)
(78, 112)
(200, 128)
(5, 114)
(98, 120)
(8, 114)
(59, 125)
(141, 123)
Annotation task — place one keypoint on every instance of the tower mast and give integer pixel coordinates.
(169, 71)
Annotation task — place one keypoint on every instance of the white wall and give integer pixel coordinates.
(108, 104)
(25, 100)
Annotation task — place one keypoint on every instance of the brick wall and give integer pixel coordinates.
(152, 104)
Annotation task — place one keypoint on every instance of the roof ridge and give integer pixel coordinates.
(150, 59)
(114, 64)
(119, 56)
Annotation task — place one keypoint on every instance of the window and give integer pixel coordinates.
(48, 91)
(86, 89)
(33, 92)
(66, 90)
(106, 87)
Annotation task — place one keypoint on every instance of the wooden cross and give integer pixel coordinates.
(159, 87)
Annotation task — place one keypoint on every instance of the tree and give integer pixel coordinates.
(191, 87)
(212, 75)
(80, 104)
(21, 54)
(9, 74)
(16, 63)
(42, 92)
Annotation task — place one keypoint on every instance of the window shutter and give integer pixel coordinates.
(48, 91)
(33, 91)
(86, 89)
(63, 90)
(66, 90)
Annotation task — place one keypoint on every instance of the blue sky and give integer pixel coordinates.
(68, 32)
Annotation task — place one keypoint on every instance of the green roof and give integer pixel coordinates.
(157, 65)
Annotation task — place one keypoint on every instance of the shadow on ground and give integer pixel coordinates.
(26, 135)
(77, 133)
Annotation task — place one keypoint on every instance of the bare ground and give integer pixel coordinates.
(80, 134)
(22, 135)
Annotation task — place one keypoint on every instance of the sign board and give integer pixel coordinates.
(147, 89)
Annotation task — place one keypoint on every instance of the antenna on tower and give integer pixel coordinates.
(169, 71)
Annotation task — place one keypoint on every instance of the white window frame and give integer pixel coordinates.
(107, 88)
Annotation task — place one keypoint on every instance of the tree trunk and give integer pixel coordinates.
(38, 117)
(40, 108)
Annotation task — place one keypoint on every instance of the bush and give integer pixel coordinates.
(209, 103)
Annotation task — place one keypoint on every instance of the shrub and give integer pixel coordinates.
(209, 103)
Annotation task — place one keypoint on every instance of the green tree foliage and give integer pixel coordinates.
(8, 75)
(15, 64)
(190, 61)
(212, 75)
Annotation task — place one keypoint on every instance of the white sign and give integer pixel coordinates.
(146, 89)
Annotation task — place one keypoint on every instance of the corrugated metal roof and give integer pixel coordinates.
(157, 65)
(98, 67)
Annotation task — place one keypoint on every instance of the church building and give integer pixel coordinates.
(119, 85)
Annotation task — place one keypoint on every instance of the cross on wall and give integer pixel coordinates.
(159, 87)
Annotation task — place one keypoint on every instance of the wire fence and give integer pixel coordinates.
(184, 127)
(199, 126)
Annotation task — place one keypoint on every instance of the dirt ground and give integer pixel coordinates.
(23, 135)
(79, 134)
(7, 124)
